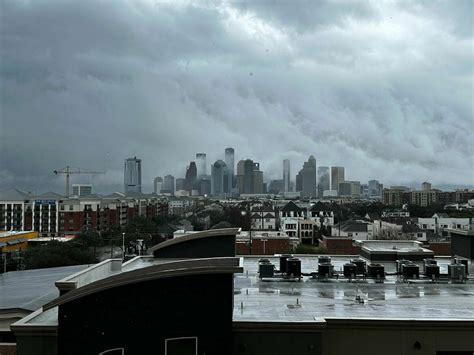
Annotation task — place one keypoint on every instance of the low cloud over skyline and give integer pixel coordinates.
(382, 88)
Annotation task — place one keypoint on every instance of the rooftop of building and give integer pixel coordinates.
(352, 226)
(30, 289)
(408, 246)
(310, 299)
(286, 299)
(15, 233)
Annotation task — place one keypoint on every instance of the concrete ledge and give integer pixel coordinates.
(194, 236)
(91, 274)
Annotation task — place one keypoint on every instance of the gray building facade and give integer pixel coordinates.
(337, 176)
(308, 178)
(286, 175)
(230, 163)
(132, 180)
(218, 176)
(323, 180)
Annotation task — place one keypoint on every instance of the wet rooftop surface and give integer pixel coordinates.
(291, 300)
(31, 289)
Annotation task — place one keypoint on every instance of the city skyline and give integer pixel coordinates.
(148, 185)
(352, 85)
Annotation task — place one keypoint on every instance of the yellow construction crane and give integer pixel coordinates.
(68, 170)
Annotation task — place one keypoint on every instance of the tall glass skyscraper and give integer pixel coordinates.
(337, 176)
(132, 180)
(286, 175)
(218, 174)
(323, 180)
(229, 162)
(201, 164)
(308, 178)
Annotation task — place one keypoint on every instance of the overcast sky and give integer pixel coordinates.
(384, 88)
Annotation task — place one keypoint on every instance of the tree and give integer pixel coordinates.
(54, 254)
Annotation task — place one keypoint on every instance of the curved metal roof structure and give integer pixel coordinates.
(195, 236)
(160, 271)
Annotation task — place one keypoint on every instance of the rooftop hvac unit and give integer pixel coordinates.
(324, 259)
(400, 264)
(463, 262)
(266, 269)
(360, 266)
(293, 267)
(283, 259)
(325, 269)
(427, 262)
(349, 270)
(457, 271)
(432, 271)
(376, 271)
(410, 271)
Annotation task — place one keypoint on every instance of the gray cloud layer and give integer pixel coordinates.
(382, 88)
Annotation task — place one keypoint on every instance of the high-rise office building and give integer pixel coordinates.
(157, 184)
(81, 189)
(257, 179)
(308, 178)
(286, 175)
(168, 185)
(249, 179)
(248, 176)
(205, 185)
(201, 164)
(180, 184)
(349, 188)
(218, 176)
(239, 177)
(337, 176)
(229, 162)
(323, 180)
(275, 187)
(299, 182)
(132, 175)
(190, 183)
(374, 188)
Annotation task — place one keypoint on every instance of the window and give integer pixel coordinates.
(71, 207)
(181, 346)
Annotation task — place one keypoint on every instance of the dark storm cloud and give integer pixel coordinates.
(383, 88)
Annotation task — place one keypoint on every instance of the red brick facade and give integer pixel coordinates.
(440, 248)
(340, 246)
(272, 246)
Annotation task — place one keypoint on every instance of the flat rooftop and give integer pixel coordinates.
(390, 246)
(31, 289)
(311, 299)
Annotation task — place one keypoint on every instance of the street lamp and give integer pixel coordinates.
(123, 246)
(244, 213)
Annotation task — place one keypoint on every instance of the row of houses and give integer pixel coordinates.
(400, 227)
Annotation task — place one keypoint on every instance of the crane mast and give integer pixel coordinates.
(68, 170)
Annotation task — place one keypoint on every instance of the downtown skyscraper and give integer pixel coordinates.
(218, 178)
(308, 178)
(323, 180)
(229, 162)
(132, 179)
(286, 175)
(201, 164)
(337, 176)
